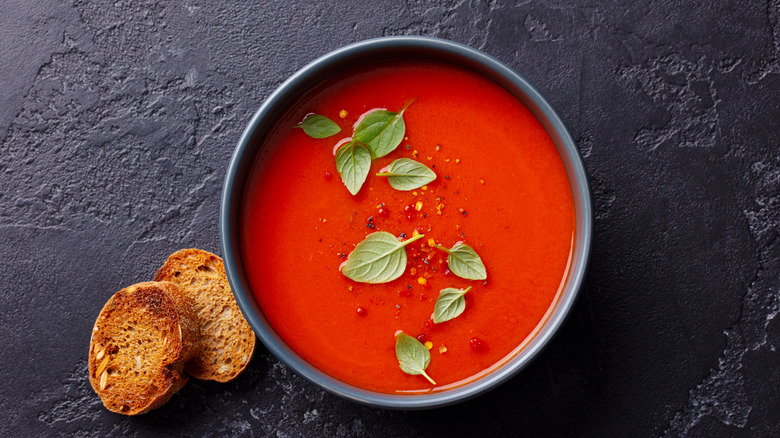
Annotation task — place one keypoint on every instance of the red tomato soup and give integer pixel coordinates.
(501, 188)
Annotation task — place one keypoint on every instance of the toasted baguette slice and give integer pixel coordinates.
(226, 340)
(141, 340)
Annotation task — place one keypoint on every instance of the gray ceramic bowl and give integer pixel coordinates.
(376, 49)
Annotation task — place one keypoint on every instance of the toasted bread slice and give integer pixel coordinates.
(141, 340)
(226, 340)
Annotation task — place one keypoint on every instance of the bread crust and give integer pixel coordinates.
(227, 342)
(142, 337)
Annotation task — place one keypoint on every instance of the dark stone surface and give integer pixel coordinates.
(117, 120)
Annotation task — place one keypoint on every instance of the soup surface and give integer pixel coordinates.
(501, 188)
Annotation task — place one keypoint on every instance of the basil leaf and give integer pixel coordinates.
(353, 161)
(413, 357)
(406, 174)
(450, 304)
(381, 130)
(317, 126)
(464, 262)
(379, 258)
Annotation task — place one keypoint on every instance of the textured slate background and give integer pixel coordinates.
(117, 120)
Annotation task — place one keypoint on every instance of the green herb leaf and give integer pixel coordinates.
(353, 161)
(317, 126)
(379, 258)
(413, 357)
(406, 174)
(450, 304)
(381, 130)
(464, 262)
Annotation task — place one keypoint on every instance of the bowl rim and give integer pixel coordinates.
(389, 47)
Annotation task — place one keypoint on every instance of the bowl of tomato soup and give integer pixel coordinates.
(406, 222)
